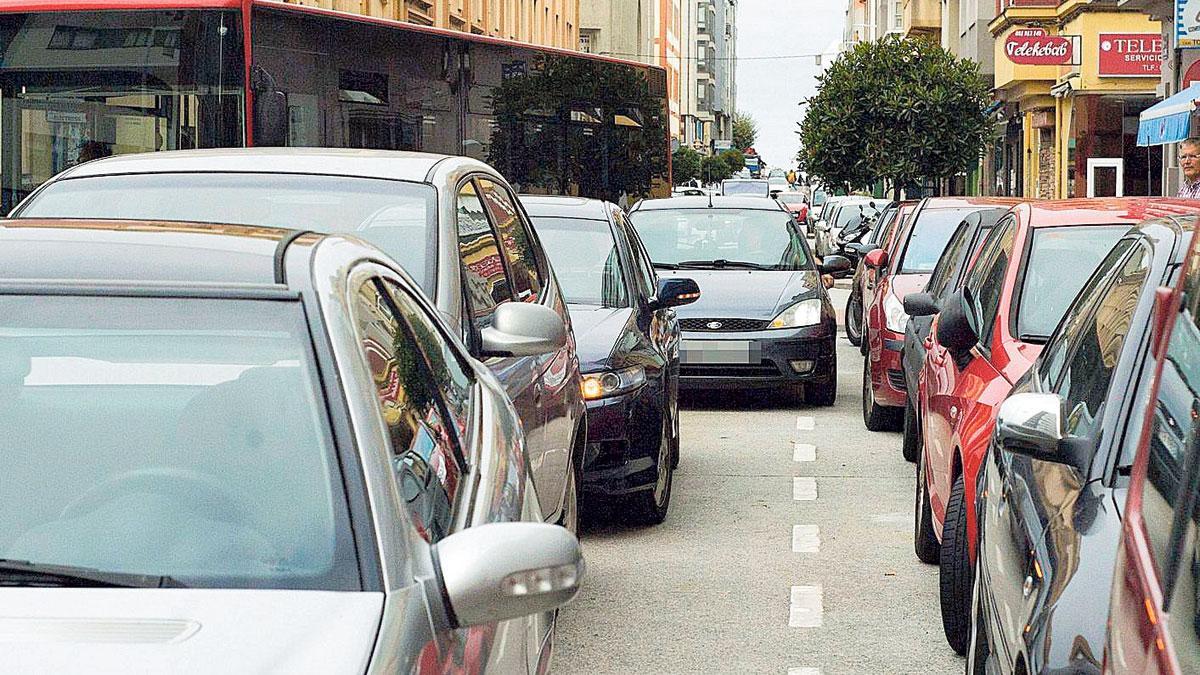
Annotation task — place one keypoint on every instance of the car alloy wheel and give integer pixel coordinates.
(853, 321)
(649, 507)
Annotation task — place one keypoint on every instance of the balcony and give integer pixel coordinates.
(922, 17)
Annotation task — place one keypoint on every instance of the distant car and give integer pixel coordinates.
(816, 206)
(866, 279)
(627, 337)
(848, 211)
(1048, 482)
(777, 184)
(747, 187)
(796, 203)
(281, 460)
(765, 319)
(453, 223)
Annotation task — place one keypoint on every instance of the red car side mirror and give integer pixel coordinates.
(877, 258)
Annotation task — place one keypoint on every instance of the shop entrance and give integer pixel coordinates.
(1106, 177)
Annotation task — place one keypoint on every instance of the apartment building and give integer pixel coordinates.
(710, 90)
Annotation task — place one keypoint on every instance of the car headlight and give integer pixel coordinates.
(894, 314)
(803, 313)
(612, 382)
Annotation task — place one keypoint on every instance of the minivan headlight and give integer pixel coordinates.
(893, 314)
(607, 383)
(803, 313)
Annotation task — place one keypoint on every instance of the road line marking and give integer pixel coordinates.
(804, 671)
(804, 452)
(804, 488)
(806, 539)
(806, 609)
(805, 423)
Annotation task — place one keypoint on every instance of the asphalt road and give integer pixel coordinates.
(752, 572)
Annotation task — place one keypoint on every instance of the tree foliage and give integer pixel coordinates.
(735, 160)
(895, 109)
(714, 169)
(685, 165)
(745, 131)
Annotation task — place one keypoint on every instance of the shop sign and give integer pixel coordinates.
(1131, 55)
(1036, 47)
(1187, 23)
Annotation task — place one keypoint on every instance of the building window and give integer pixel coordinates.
(897, 16)
(587, 41)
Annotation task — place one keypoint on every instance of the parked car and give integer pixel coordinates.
(816, 206)
(765, 319)
(252, 449)
(441, 218)
(746, 187)
(863, 282)
(902, 268)
(796, 203)
(847, 212)
(1154, 616)
(627, 337)
(921, 307)
(818, 216)
(777, 184)
(1049, 523)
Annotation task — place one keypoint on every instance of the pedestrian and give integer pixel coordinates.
(1189, 161)
(791, 177)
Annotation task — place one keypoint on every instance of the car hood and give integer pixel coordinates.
(119, 630)
(746, 294)
(597, 332)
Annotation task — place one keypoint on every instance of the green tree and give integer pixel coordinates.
(734, 159)
(745, 131)
(685, 165)
(714, 169)
(897, 110)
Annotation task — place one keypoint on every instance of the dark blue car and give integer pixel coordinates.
(627, 338)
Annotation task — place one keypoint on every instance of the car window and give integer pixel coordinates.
(1060, 260)
(711, 237)
(586, 260)
(426, 461)
(951, 260)
(397, 216)
(643, 269)
(518, 244)
(986, 280)
(927, 239)
(884, 232)
(485, 279)
(1096, 348)
(883, 222)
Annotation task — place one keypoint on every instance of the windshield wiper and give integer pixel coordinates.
(25, 573)
(664, 266)
(721, 263)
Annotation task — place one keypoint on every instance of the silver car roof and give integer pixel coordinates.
(717, 202)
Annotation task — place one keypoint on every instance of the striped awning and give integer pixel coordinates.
(1170, 120)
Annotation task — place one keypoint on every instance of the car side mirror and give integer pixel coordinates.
(674, 292)
(1030, 424)
(957, 329)
(877, 258)
(920, 304)
(523, 329)
(832, 264)
(499, 571)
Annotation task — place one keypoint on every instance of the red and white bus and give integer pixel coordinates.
(86, 78)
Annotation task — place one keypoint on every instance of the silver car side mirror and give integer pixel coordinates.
(523, 329)
(501, 571)
(1031, 424)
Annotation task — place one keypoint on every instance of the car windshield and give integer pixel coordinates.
(930, 234)
(1060, 261)
(585, 259)
(851, 212)
(398, 217)
(701, 237)
(818, 198)
(791, 197)
(169, 436)
(747, 187)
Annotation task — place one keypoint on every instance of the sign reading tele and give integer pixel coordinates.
(1131, 55)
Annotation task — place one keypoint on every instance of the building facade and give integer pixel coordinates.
(709, 67)
(551, 23)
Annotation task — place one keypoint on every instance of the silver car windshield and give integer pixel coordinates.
(745, 187)
(178, 437)
(585, 259)
(398, 217)
(721, 238)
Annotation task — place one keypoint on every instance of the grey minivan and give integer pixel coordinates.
(452, 223)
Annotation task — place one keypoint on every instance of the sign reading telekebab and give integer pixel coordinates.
(1036, 47)
(1131, 54)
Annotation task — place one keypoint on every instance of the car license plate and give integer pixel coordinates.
(709, 352)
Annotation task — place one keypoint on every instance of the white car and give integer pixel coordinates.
(838, 212)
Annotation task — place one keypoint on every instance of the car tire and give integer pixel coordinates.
(673, 411)
(649, 507)
(572, 512)
(912, 433)
(853, 321)
(925, 543)
(979, 652)
(955, 575)
(823, 393)
(876, 417)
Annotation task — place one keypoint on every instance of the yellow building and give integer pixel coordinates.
(552, 23)
(1073, 76)
(923, 18)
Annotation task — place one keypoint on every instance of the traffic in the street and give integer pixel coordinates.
(449, 337)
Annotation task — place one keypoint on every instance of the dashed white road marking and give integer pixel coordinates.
(804, 671)
(806, 539)
(805, 423)
(804, 488)
(806, 609)
(804, 452)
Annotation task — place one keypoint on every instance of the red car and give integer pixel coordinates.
(900, 267)
(1029, 270)
(795, 203)
(1154, 619)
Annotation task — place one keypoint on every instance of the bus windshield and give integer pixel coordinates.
(76, 86)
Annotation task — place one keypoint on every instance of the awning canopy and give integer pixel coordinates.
(1169, 121)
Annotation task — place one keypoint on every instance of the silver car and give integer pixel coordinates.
(240, 449)
(453, 223)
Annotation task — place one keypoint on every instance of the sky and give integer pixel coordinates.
(770, 89)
